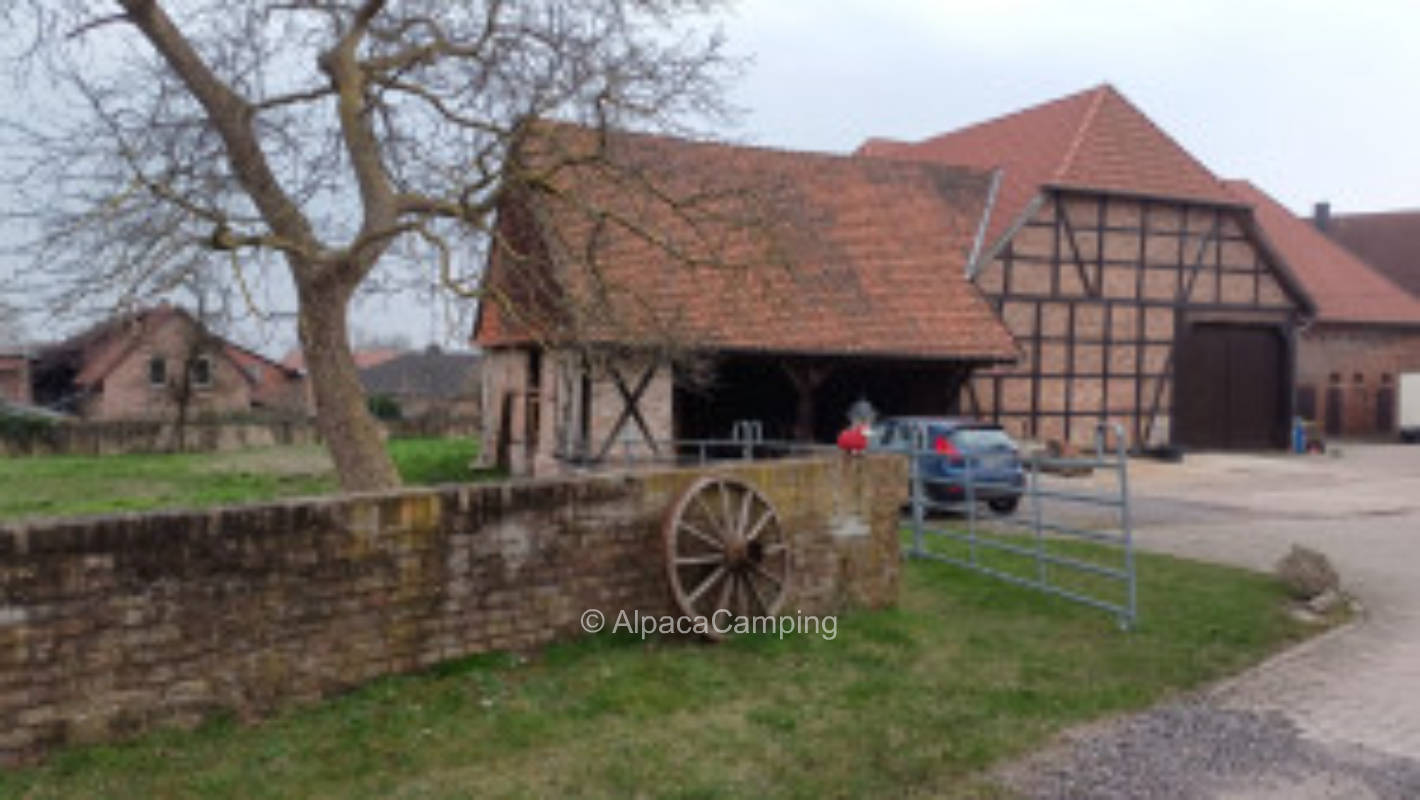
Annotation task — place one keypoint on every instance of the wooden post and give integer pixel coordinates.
(806, 379)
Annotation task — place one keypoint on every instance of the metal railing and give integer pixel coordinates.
(746, 443)
(1030, 536)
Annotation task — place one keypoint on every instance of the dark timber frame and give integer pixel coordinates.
(1098, 288)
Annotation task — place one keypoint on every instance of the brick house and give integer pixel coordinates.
(427, 383)
(1136, 283)
(15, 378)
(129, 367)
(783, 288)
(1367, 326)
(1389, 241)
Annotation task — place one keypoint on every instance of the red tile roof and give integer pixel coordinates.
(364, 358)
(1388, 241)
(1096, 139)
(1344, 287)
(100, 348)
(774, 251)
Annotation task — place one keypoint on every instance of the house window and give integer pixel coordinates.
(202, 371)
(157, 371)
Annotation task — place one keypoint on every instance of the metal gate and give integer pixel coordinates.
(1045, 543)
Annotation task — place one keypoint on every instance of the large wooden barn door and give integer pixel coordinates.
(1231, 380)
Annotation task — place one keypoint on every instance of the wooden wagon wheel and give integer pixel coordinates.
(725, 549)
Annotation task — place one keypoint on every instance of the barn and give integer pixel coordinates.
(1139, 287)
(648, 289)
(1366, 332)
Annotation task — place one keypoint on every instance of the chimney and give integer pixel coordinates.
(1321, 216)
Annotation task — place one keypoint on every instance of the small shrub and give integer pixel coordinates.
(385, 407)
(25, 430)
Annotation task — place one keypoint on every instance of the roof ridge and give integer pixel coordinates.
(1393, 212)
(1009, 115)
(1171, 139)
(1078, 139)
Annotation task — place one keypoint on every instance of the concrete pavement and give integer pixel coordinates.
(1352, 698)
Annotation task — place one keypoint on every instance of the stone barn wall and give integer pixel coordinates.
(113, 625)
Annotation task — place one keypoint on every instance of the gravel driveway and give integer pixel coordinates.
(1338, 717)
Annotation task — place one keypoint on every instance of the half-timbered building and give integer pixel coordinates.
(658, 289)
(1138, 286)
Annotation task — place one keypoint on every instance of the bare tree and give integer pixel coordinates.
(200, 347)
(342, 143)
(12, 327)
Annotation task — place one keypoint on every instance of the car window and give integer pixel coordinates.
(880, 433)
(906, 434)
(982, 439)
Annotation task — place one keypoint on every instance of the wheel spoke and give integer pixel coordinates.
(710, 515)
(775, 549)
(712, 558)
(729, 519)
(701, 535)
(766, 573)
(725, 594)
(759, 526)
(709, 581)
(742, 520)
(758, 598)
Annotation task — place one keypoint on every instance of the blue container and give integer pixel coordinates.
(1299, 435)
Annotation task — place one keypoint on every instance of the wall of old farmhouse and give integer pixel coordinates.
(1348, 376)
(546, 409)
(1096, 289)
(110, 626)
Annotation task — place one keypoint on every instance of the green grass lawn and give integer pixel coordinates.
(65, 485)
(920, 699)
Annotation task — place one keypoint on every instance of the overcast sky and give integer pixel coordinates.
(1310, 100)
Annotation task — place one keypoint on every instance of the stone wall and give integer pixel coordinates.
(203, 436)
(155, 436)
(110, 626)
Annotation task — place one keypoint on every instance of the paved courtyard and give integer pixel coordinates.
(1337, 717)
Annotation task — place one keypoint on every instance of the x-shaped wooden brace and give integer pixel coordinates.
(631, 410)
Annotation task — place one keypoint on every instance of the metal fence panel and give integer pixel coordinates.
(1030, 534)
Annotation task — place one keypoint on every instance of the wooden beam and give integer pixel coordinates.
(1080, 268)
(1139, 314)
(1055, 246)
(1069, 366)
(1035, 373)
(631, 410)
(807, 378)
(1186, 291)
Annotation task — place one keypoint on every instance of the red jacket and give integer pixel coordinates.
(853, 440)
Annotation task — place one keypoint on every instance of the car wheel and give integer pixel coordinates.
(1004, 505)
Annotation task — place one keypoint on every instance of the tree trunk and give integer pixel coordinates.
(351, 433)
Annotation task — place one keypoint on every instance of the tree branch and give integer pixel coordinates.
(230, 115)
